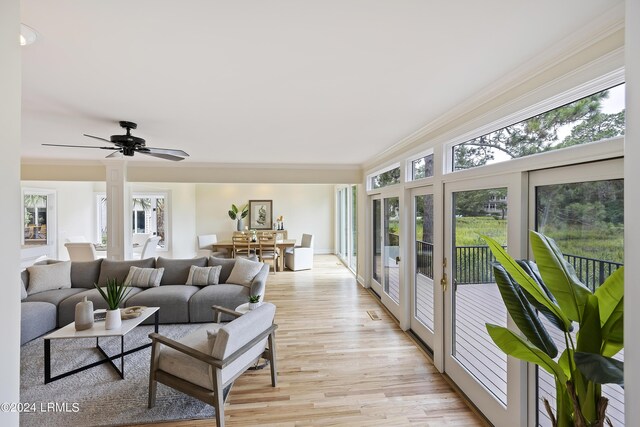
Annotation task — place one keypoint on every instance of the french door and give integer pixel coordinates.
(494, 207)
(425, 296)
(387, 275)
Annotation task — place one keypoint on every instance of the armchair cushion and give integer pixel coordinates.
(186, 367)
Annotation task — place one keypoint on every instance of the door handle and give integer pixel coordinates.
(397, 259)
(444, 282)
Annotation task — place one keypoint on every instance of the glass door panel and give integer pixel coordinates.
(586, 221)
(475, 296)
(423, 274)
(391, 252)
(376, 250)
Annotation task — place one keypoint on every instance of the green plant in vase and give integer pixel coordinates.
(552, 287)
(254, 301)
(114, 293)
(238, 214)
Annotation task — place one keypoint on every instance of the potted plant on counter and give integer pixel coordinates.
(113, 293)
(238, 214)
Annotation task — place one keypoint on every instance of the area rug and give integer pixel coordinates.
(98, 397)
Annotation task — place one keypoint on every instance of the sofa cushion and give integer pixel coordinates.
(23, 290)
(49, 277)
(176, 271)
(144, 277)
(203, 276)
(85, 274)
(227, 265)
(36, 318)
(173, 301)
(225, 295)
(244, 271)
(120, 269)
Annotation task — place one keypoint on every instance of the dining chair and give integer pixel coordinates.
(150, 247)
(81, 251)
(205, 246)
(242, 245)
(268, 249)
(300, 257)
(138, 240)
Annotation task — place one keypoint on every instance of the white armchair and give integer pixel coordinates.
(300, 257)
(205, 363)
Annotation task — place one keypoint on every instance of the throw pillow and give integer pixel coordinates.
(49, 277)
(144, 277)
(244, 271)
(23, 290)
(203, 276)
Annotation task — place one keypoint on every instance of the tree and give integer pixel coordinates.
(540, 133)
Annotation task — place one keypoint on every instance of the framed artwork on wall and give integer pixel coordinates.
(261, 214)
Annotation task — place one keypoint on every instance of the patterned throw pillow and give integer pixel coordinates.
(144, 277)
(203, 276)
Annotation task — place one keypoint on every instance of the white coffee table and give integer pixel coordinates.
(97, 331)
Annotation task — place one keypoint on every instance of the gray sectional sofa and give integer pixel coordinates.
(178, 302)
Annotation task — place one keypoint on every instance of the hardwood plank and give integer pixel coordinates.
(337, 366)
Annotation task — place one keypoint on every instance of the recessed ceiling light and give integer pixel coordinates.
(27, 35)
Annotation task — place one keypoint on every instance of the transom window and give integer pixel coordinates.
(383, 179)
(593, 118)
(422, 167)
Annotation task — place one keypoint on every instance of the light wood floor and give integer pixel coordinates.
(337, 366)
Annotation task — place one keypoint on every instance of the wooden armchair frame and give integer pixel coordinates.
(213, 397)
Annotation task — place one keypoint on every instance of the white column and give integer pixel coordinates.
(631, 209)
(118, 211)
(10, 84)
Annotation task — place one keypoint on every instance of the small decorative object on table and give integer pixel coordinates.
(115, 292)
(254, 302)
(84, 315)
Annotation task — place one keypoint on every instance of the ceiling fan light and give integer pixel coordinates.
(27, 35)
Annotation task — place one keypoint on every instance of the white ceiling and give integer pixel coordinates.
(277, 82)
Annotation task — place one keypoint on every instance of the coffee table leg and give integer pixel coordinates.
(122, 356)
(47, 361)
(156, 320)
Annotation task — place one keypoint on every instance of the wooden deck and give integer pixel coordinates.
(338, 366)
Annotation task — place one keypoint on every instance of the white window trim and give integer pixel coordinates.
(409, 165)
(377, 172)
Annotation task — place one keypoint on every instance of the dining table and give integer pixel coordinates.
(281, 244)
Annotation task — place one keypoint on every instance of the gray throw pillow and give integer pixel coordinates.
(244, 271)
(203, 276)
(23, 290)
(49, 277)
(144, 277)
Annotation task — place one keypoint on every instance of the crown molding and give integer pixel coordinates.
(596, 31)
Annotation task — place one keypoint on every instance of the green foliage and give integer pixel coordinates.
(469, 229)
(540, 133)
(254, 299)
(389, 177)
(582, 368)
(243, 211)
(114, 293)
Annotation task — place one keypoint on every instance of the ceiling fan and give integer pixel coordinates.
(128, 144)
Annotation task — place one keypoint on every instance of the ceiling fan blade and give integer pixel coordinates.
(114, 154)
(97, 137)
(163, 156)
(170, 151)
(78, 146)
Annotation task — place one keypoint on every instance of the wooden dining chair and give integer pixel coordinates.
(242, 245)
(268, 249)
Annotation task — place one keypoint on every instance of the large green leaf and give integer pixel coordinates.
(611, 302)
(513, 345)
(524, 280)
(600, 369)
(532, 270)
(589, 336)
(559, 276)
(522, 313)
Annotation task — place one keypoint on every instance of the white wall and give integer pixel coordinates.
(631, 208)
(307, 208)
(10, 83)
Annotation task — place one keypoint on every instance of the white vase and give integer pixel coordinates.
(113, 321)
(254, 305)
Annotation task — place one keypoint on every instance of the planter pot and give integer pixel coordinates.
(239, 224)
(254, 305)
(113, 321)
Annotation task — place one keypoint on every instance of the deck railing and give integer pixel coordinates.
(424, 258)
